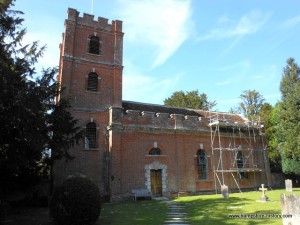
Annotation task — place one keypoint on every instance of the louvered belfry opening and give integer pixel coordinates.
(92, 82)
(94, 47)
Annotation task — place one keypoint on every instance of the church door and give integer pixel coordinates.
(156, 183)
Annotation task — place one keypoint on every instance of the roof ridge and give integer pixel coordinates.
(153, 104)
(177, 107)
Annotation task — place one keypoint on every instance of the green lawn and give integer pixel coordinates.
(202, 209)
(212, 209)
(142, 212)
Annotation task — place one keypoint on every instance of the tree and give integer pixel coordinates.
(190, 99)
(272, 123)
(235, 110)
(252, 103)
(32, 123)
(288, 130)
(254, 107)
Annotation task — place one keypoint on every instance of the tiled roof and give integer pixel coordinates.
(129, 105)
(224, 119)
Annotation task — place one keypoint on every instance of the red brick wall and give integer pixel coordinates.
(89, 162)
(74, 66)
(130, 153)
(135, 135)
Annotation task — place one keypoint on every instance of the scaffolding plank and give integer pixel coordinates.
(241, 170)
(214, 123)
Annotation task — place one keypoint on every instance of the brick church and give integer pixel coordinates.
(131, 145)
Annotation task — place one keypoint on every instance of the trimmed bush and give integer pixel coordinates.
(3, 210)
(76, 202)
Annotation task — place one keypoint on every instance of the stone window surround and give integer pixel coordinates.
(156, 166)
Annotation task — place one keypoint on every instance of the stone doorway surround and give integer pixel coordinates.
(156, 166)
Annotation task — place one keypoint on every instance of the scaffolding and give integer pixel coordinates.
(238, 150)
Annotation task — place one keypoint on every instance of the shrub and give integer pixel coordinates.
(76, 202)
(3, 210)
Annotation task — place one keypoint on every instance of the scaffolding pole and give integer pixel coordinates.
(241, 157)
(236, 182)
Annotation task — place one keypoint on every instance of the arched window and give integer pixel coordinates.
(92, 82)
(202, 165)
(94, 45)
(155, 151)
(90, 135)
(240, 164)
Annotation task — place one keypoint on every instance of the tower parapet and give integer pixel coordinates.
(91, 62)
(88, 20)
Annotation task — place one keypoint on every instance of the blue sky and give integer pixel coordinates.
(219, 47)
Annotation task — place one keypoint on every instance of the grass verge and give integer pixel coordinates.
(202, 209)
(212, 209)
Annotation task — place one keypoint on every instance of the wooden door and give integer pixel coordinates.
(156, 183)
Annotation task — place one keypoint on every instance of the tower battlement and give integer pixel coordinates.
(88, 20)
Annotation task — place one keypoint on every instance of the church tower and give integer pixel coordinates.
(90, 71)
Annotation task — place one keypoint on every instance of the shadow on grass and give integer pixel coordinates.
(28, 216)
(147, 212)
(212, 209)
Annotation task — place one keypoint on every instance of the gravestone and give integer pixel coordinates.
(290, 209)
(288, 185)
(224, 191)
(264, 197)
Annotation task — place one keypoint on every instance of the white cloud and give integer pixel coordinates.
(269, 74)
(163, 24)
(244, 65)
(50, 56)
(291, 22)
(224, 83)
(143, 88)
(227, 28)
